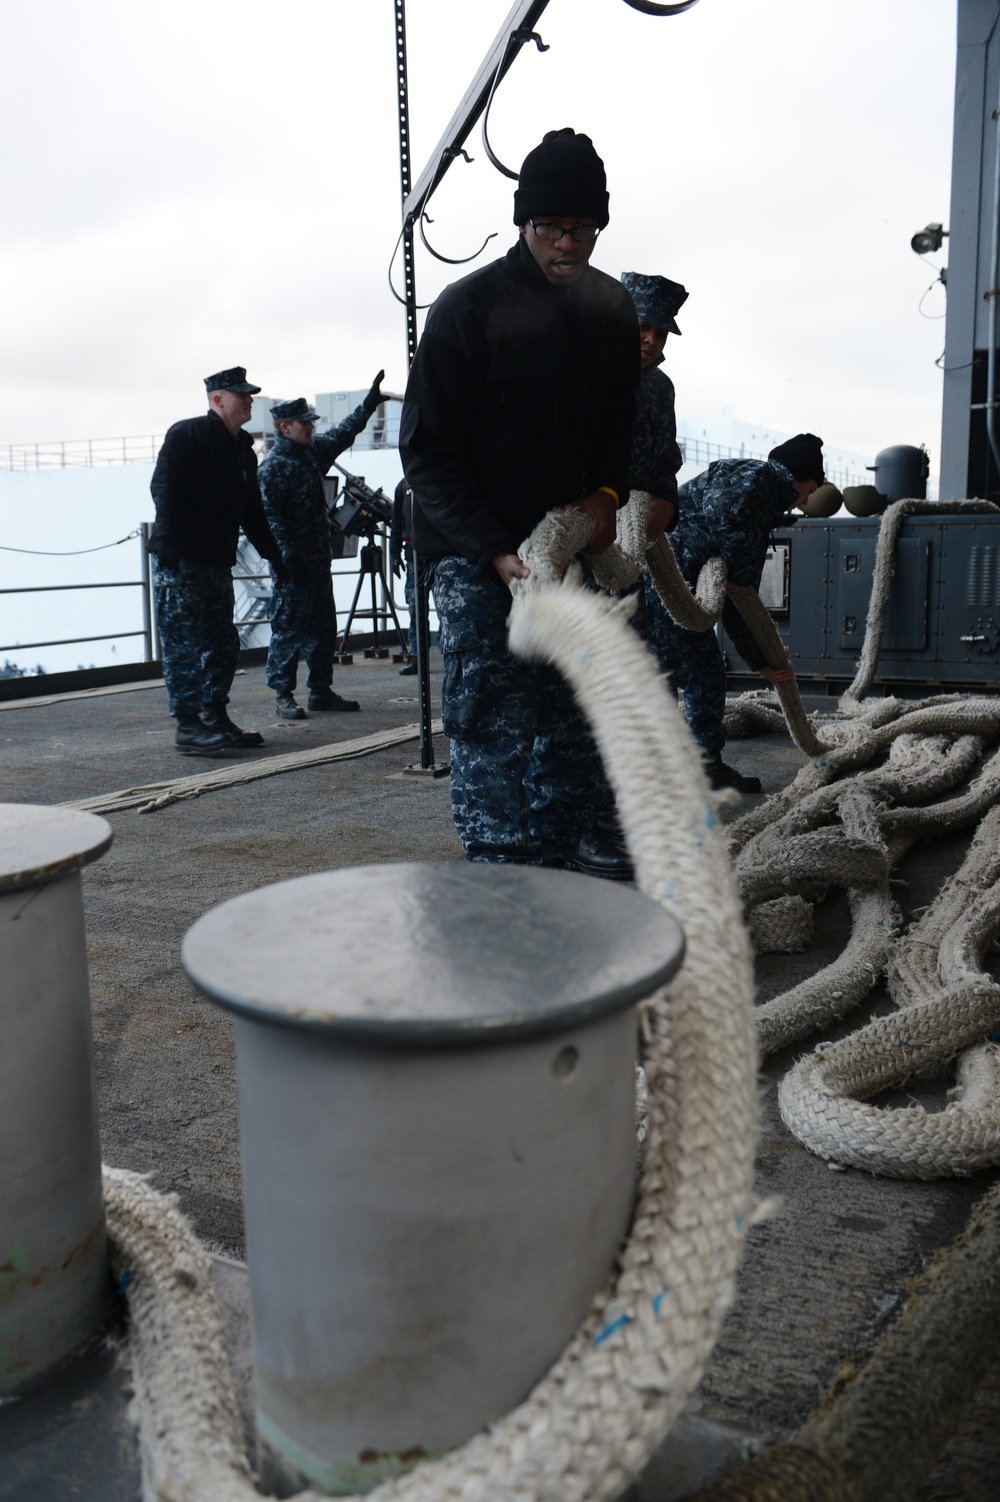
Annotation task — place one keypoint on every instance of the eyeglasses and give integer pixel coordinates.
(588, 233)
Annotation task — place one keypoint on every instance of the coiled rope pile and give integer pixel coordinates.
(846, 820)
(594, 1420)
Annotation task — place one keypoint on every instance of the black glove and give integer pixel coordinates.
(396, 564)
(374, 395)
(298, 569)
(168, 557)
(280, 572)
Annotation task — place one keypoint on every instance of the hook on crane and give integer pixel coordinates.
(519, 35)
(449, 260)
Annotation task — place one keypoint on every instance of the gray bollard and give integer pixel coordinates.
(437, 1114)
(54, 1282)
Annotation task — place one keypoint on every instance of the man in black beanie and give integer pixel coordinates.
(729, 512)
(520, 399)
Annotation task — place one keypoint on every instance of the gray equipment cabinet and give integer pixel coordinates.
(942, 627)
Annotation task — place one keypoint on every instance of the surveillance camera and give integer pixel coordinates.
(931, 237)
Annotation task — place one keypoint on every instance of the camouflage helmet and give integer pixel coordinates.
(297, 410)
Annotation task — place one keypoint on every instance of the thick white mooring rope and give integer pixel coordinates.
(593, 1421)
(885, 564)
(152, 796)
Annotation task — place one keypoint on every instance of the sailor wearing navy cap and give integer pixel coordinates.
(205, 490)
(655, 455)
(729, 512)
(303, 615)
(653, 467)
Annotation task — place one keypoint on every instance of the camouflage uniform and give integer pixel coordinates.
(656, 458)
(200, 644)
(303, 615)
(727, 512)
(525, 774)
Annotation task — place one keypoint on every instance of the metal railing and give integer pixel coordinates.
(382, 433)
(700, 451)
(87, 453)
(249, 613)
(145, 584)
(80, 453)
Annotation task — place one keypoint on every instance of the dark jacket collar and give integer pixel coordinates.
(240, 436)
(524, 266)
(289, 449)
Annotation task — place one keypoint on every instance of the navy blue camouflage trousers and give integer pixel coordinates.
(694, 663)
(303, 620)
(526, 778)
(198, 641)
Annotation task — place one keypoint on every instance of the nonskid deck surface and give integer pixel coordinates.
(819, 1283)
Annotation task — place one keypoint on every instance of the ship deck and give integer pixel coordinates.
(820, 1282)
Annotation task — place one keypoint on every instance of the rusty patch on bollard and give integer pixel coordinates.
(375, 1466)
(14, 1269)
(402, 1457)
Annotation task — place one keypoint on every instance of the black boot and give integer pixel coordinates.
(721, 776)
(216, 718)
(195, 739)
(325, 698)
(599, 856)
(408, 670)
(288, 709)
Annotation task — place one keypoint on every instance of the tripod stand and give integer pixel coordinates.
(373, 567)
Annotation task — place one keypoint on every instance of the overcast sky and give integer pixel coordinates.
(189, 186)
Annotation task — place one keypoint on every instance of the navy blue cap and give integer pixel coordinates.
(298, 410)
(231, 380)
(656, 299)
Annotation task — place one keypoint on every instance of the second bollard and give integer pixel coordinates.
(54, 1284)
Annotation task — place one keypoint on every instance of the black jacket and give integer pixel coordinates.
(205, 489)
(521, 397)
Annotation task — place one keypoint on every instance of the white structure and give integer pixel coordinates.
(704, 440)
(59, 500)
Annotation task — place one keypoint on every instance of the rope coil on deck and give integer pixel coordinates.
(839, 825)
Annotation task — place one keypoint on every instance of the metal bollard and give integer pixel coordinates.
(54, 1281)
(437, 1116)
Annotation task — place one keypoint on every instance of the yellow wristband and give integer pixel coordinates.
(610, 492)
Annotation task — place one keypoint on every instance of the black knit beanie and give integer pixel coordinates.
(563, 175)
(803, 455)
